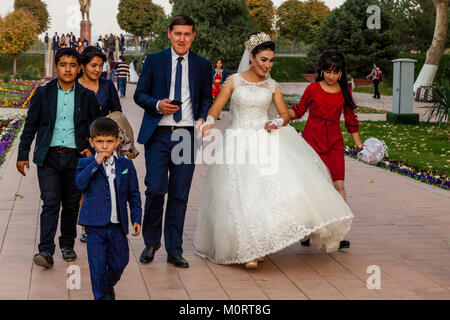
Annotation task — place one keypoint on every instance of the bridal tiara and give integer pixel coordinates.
(255, 40)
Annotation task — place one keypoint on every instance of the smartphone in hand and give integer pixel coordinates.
(176, 102)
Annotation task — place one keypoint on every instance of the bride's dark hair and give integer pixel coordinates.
(333, 60)
(268, 45)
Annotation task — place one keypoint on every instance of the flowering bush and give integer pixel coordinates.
(9, 128)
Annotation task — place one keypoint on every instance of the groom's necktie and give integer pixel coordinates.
(178, 75)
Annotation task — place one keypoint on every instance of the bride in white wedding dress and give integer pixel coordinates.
(245, 213)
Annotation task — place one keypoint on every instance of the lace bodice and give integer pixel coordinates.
(250, 101)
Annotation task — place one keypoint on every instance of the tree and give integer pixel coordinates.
(262, 14)
(38, 9)
(299, 20)
(437, 47)
(17, 33)
(222, 27)
(345, 29)
(139, 16)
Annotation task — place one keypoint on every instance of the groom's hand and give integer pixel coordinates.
(165, 107)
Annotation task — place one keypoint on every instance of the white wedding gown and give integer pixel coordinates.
(134, 78)
(245, 213)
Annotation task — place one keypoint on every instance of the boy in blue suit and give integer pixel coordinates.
(108, 182)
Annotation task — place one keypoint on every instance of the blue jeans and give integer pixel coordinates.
(122, 83)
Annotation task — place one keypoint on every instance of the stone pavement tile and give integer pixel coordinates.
(167, 294)
(13, 294)
(316, 286)
(424, 286)
(229, 272)
(324, 264)
(131, 294)
(361, 294)
(344, 280)
(83, 294)
(243, 290)
(207, 294)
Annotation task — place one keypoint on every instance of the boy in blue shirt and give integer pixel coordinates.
(108, 182)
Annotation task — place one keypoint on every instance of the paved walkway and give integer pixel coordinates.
(400, 225)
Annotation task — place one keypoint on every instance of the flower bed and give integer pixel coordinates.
(430, 177)
(9, 128)
(24, 101)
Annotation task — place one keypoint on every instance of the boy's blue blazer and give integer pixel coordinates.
(96, 208)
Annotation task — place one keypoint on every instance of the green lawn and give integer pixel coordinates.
(11, 86)
(384, 90)
(13, 97)
(424, 146)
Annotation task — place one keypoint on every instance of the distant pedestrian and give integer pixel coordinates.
(123, 74)
(376, 76)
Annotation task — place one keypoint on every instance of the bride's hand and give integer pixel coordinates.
(205, 130)
(270, 126)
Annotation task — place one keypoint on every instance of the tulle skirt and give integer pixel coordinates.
(250, 210)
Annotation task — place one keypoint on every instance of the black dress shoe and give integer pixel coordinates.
(344, 244)
(178, 261)
(306, 242)
(68, 254)
(83, 237)
(43, 259)
(148, 253)
(111, 294)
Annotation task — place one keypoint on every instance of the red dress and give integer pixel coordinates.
(322, 130)
(216, 85)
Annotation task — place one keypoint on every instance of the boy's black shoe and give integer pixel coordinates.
(68, 254)
(43, 259)
(83, 237)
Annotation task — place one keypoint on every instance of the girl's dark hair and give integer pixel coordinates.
(88, 54)
(333, 60)
(268, 45)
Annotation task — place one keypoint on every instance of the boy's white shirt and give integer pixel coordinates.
(109, 165)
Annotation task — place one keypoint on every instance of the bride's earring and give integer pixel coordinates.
(340, 77)
(321, 73)
(250, 67)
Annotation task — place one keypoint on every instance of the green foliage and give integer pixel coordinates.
(262, 13)
(441, 103)
(6, 78)
(288, 69)
(222, 27)
(298, 20)
(385, 90)
(345, 30)
(23, 61)
(443, 71)
(138, 16)
(404, 118)
(38, 9)
(30, 73)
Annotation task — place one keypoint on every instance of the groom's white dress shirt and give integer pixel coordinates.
(186, 109)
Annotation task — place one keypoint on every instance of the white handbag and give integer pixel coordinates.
(373, 151)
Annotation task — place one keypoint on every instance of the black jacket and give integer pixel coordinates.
(41, 118)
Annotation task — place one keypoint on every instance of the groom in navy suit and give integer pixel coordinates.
(172, 74)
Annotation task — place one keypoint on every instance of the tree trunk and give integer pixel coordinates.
(436, 50)
(14, 66)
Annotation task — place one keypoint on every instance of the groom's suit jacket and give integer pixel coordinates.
(154, 85)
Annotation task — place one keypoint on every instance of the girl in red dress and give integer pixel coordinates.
(326, 99)
(219, 77)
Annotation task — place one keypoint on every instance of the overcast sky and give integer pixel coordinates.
(66, 16)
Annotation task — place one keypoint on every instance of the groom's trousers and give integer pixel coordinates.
(165, 175)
